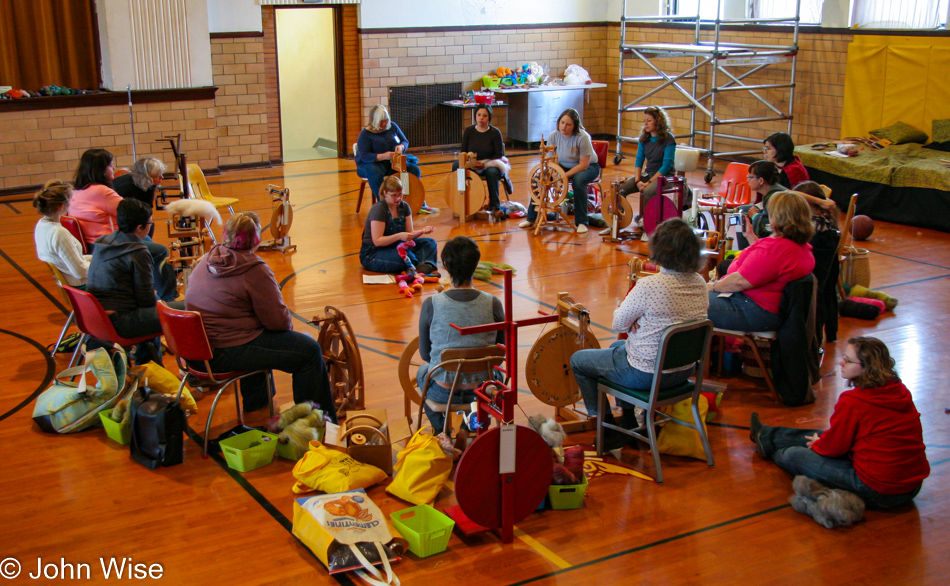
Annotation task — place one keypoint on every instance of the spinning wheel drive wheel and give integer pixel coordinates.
(417, 193)
(478, 483)
(278, 227)
(548, 369)
(624, 214)
(409, 364)
(466, 203)
(342, 357)
(557, 185)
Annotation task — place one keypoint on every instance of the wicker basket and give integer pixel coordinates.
(750, 365)
(856, 269)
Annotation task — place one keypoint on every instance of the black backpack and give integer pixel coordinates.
(158, 429)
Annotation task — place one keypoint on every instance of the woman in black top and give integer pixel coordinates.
(486, 142)
(141, 183)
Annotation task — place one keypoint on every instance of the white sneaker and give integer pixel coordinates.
(644, 238)
(582, 228)
(605, 232)
(525, 224)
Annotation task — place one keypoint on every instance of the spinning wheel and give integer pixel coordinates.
(414, 193)
(548, 185)
(409, 364)
(548, 370)
(465, 203)
(281, 220)
(477, 478)
(342, 357)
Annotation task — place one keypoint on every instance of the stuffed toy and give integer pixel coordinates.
(859, 291)
(194, 207)
(829, 507)
(410, 281)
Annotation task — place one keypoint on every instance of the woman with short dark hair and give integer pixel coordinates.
(780, 149)
(675, 295)
(94, 202)
(487, 143)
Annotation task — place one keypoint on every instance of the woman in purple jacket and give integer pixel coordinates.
(247, 322)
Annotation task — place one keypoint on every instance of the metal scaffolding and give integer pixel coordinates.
(708, 51)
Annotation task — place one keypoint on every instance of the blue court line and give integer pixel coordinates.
(913, 282)
(911, 260)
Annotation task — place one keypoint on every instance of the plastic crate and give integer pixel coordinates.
(426, 529)
(490, 82)
(244, 457)
(567, 496)
(117, 431)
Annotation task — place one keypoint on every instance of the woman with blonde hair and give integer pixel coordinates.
(874, 445)
(55, 244)
(747, 298)
(375, 147)
(141, 183)
(247, 321)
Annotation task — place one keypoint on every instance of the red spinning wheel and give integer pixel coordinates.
(658, 209)
(479, 484)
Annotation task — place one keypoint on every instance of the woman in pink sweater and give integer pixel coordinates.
(94, 202)
(874, 445)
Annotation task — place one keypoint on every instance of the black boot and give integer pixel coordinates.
(613, 439)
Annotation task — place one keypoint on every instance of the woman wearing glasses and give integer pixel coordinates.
(780, 149)
(874, 444)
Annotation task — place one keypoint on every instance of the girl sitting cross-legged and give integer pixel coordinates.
(388, 223)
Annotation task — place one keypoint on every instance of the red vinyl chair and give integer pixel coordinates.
(93, 321)
(186, 337)
(72, 226)
(601, 147)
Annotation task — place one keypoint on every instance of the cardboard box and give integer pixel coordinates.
(367, 423)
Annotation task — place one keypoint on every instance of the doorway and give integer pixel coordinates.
(306, 62)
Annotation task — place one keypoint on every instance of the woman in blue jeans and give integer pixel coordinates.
(575, 154)
(375, 147)
(874, 445)
(388, 223)
(675, 295)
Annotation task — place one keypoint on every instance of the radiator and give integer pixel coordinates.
(415, 108)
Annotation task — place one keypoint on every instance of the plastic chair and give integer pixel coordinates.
(187, 339)
(482, 359)
(92, 320)
(681, 345)
(602, 148)
(60, 281)
(734, 189)
(72, 226)
(198, 188)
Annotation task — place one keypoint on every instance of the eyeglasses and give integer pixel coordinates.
(847, 360)
(752, 177)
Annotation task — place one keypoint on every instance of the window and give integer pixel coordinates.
(810, 11)
(914, 14)
(737, 9)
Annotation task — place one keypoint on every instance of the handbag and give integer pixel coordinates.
(856, 269)
(159, 378)
(679, 440)
(422, 468)
(68, 406)
(329, 470)
(157, 426)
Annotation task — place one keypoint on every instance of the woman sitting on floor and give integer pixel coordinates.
(675, 295)
(248, 324)
(747, 298)
(388, 223)
(874, 444)
(375, 147)
(486, 142)
(463, 306)
(54, 244)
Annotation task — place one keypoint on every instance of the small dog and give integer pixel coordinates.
(194, 207)
(829, 507)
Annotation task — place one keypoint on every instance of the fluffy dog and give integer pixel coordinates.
(829, 507)
(194, 207)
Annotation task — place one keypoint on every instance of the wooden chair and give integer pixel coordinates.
(681, 345)
(197, 188)
(483, 359)
(363, 185)
(72, 226)
(187, 338)
(60, 281)
(93, 321)
(845, 232)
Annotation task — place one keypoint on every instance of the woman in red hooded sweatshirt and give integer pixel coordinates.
(874, 446)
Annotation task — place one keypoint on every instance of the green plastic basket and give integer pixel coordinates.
(244, 457)
(567, 496)
(427, 530)
(117, 431)
(489, 82)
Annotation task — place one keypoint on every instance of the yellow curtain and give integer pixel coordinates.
(44, 42)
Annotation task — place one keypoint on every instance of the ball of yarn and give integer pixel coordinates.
(875, 302)
(852, 308)
(862, 227)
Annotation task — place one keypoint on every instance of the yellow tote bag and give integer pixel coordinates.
(162, 380)
(421, 469)
(328, 470)
(677, 440)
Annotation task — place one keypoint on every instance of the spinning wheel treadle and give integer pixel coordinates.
(548, 369)
(557, 182)
(342, 356)
(478, 482)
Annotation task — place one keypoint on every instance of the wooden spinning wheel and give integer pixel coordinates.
(342, 356)
(414, 193)
(409, 364)
(281, 220)
(465, 203)
(618, 213)
(548, 185)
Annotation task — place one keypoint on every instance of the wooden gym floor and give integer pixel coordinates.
(79, 498)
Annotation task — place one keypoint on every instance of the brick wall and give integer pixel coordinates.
(40, 145)
(241, 106)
